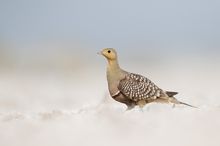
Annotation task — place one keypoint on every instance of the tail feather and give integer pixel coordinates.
(183, 103)
(171, 93)
(175, 101)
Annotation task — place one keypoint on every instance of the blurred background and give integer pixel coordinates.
(48, 48)
(49, 61)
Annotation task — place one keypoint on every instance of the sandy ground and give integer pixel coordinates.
(57, 109)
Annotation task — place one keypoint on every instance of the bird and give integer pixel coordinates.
(133, 89)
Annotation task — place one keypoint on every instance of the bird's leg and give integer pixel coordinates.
(130, 107)
(141, 104)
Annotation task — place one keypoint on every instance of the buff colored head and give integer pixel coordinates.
(109, 53)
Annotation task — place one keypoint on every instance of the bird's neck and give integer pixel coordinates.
(114, 75)
(114, 72)
(113, 65)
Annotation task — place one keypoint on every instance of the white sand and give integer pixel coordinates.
(55, 110)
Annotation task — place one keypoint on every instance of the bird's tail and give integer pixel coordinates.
(183, 103)
(175, 101)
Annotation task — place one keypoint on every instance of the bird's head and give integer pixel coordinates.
(109, 53)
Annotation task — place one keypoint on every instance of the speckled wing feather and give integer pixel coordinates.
(137, 87)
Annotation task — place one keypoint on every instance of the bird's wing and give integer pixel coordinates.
(137, 87)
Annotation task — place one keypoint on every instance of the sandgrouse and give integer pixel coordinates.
(133, 89)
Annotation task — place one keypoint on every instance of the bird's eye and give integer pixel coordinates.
(109, 51)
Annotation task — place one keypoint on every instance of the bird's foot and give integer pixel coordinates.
(129, 108)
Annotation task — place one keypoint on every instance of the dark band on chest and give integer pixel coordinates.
(116, 95)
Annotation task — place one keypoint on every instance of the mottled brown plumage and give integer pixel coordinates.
(133, 89)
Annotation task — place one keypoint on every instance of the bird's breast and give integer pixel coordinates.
(113, 87)
(113, 82)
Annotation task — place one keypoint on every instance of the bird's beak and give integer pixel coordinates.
(99, 53)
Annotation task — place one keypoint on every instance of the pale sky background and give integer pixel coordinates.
(190, 26)
(53, 88)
